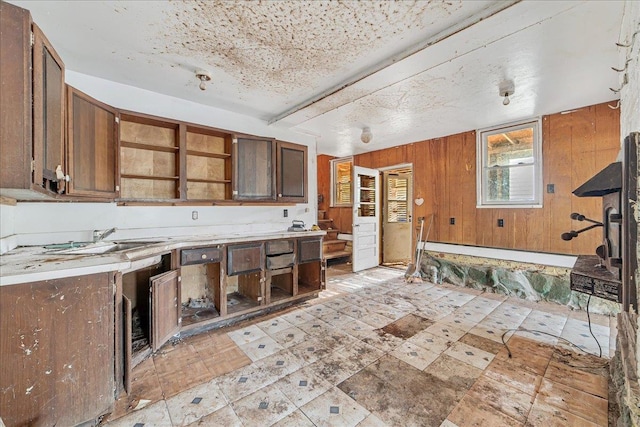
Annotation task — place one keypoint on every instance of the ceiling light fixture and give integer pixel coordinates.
(506, 100)
(506, 89)
(204, 76)
(366, 135)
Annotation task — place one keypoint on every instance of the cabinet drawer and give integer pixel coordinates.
(244, 258)
(280, 261)
(309, 250)
(201, 255)
(278, 247)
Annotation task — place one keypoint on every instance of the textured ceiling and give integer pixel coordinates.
(408, 70)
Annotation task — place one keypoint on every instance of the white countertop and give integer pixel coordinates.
(36, 263)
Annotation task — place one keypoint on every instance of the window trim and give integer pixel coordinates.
(481, 157)
(333, 164)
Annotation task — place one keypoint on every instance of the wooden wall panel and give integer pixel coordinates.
(468, 188)
(455, 190)
(575, 146)
(324, 181)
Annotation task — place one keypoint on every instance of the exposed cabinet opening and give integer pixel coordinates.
(310, 277)
(280, 284)
(244, 291)
(136, 290)
(280, 260)
(208, 164)
(244, 288)
(200, 292)
(310, 269)
(149, 161)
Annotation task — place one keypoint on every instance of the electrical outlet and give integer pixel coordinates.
(452, 221)
(194, 215)
(500, 222)
(551, 188)
(286, 213)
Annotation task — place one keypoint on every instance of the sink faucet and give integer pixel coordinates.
(100, 235)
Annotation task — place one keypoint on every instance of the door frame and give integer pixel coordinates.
(383, 200)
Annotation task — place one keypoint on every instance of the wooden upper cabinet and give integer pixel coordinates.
(208, 164)
(292, 172)
(48, 114)
(254, 169)
(91, 146)
(149, 158)
(15, 99)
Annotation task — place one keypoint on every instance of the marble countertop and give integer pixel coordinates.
(36, 263)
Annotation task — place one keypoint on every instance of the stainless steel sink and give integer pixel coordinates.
(106, 247)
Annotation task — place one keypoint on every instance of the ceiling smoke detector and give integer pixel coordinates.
(204, 76)
(366, 135)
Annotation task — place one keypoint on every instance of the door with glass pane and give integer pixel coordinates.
(396, 218)
(366, 218)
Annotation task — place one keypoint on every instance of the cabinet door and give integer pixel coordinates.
(292, 172)
(15, 97)
(247, 258)
(165, 307)
(309, 250)
(57, 343)
(92, 144)
(254, 171)
(48, 114)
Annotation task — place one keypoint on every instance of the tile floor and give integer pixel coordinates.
(376, 351)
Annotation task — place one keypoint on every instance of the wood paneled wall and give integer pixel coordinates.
(575, 147)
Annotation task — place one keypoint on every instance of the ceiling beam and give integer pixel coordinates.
(454, 29)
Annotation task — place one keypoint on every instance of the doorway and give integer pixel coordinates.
(397, 213)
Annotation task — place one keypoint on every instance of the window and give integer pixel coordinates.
(341, 173)
(397, 199)
(510, 165)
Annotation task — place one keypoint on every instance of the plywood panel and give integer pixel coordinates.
(147, 134)
(557, 206)
(205, 191)
(484, 227)
(455, 177)
(135, 161)
(440, 190)
(205, 168)
(147, 189)
(468, 189)
(205, 143)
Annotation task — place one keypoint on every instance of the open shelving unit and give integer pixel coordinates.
(149, 159)
(208, 164)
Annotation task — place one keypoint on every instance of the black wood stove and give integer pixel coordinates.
(609, 274)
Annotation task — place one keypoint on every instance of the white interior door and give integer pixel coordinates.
(366, 218)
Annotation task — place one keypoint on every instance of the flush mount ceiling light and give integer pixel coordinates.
(366, 135)
(204, 76)
(507, 89)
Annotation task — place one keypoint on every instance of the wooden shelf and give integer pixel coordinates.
(151, 147)
(208, 154)
(156, 178)
(210, 181)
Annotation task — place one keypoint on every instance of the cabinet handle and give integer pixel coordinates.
(203, 256)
